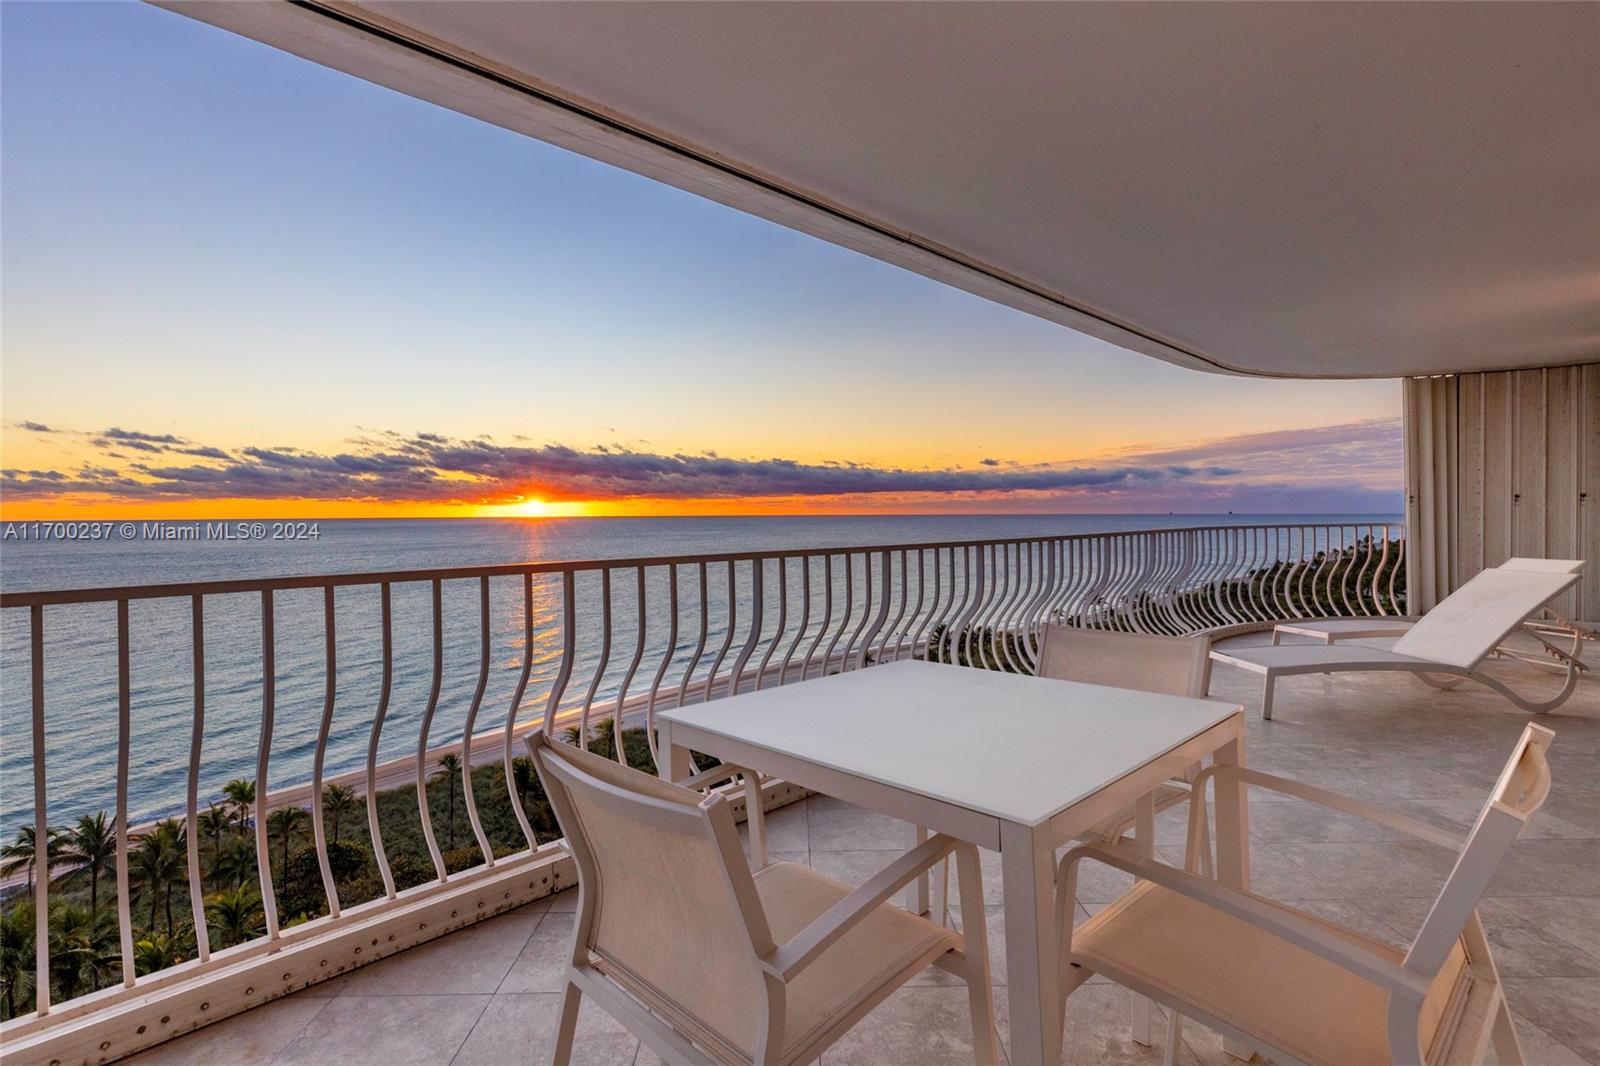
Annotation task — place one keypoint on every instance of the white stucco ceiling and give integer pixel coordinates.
(1317, 190)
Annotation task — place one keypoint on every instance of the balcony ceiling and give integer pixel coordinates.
(1301, 190)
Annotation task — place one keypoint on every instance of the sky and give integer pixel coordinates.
(237, 284)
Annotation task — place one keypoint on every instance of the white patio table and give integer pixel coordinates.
(1019, 765)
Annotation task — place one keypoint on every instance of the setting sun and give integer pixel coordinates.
(532, 507)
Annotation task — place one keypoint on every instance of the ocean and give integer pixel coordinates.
(80, 649)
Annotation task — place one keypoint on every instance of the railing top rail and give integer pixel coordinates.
(111, 594)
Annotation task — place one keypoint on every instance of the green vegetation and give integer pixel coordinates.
(85, 949)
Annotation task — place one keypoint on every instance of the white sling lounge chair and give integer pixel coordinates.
(708, 961)
(1333, 630)
(1301, 989)
(1453, 639)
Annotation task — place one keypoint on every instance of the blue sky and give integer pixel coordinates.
(209, 239)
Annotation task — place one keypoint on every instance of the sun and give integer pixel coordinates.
(532, 507)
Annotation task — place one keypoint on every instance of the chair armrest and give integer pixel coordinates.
(1337, 801)
(1286, 925)
(802, 949)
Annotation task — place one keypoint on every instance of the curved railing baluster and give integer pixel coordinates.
(197, 894)
(883, 605)
(318, 835)
(783, 621)
(41, 821)
(509, 760)
(269, 681)
(600, 667)
(374, 829)
(666, 662)
(727, 639)
(700, 645)
(827, 618)
(805, 621)
(758, 621)
(640, 599)
(423, 811)
(124, 743)
(569, 643)
(469, 797)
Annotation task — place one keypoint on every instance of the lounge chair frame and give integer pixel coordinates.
(1443, 649)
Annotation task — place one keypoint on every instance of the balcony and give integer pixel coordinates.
(452, 952)
(490, 994)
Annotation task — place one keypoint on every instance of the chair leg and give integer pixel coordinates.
(1144, 840)
(939, 893)
(1277, 637)
(915, 897)
(571, 1000)
(1504, 1036)
(975, 936)
(1266, 698)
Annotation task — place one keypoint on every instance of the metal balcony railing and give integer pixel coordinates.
(588, 645)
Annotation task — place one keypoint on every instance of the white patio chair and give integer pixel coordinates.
(1554, 626)
(1301, 989)
(707, 961)
(1453, 639)
(1175, 666)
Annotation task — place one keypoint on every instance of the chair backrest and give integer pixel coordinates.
(1472, 621)
(1174, 666)
(1549, 566)
(668, 908)
(1522, 789)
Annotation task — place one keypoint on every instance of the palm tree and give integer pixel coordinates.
(337, 801)
(16, 957)
(236, 863)
(449, 770)
(286, 824)
(215, 823)
(81, 947)
(156, 952)
(158, 864)
(21, 853)
(241, 795)
(91, 845)
(236, 915)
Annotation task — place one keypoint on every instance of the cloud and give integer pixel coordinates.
(35, 427)
(390, 467)
(134, 436)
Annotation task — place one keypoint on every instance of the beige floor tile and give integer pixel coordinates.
(385, 1031)
(521, 1028)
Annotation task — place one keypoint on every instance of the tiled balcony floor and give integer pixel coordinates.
(490, 994)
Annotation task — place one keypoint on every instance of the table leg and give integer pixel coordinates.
(674, 760)
(1033, 944)
(1233, 839)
